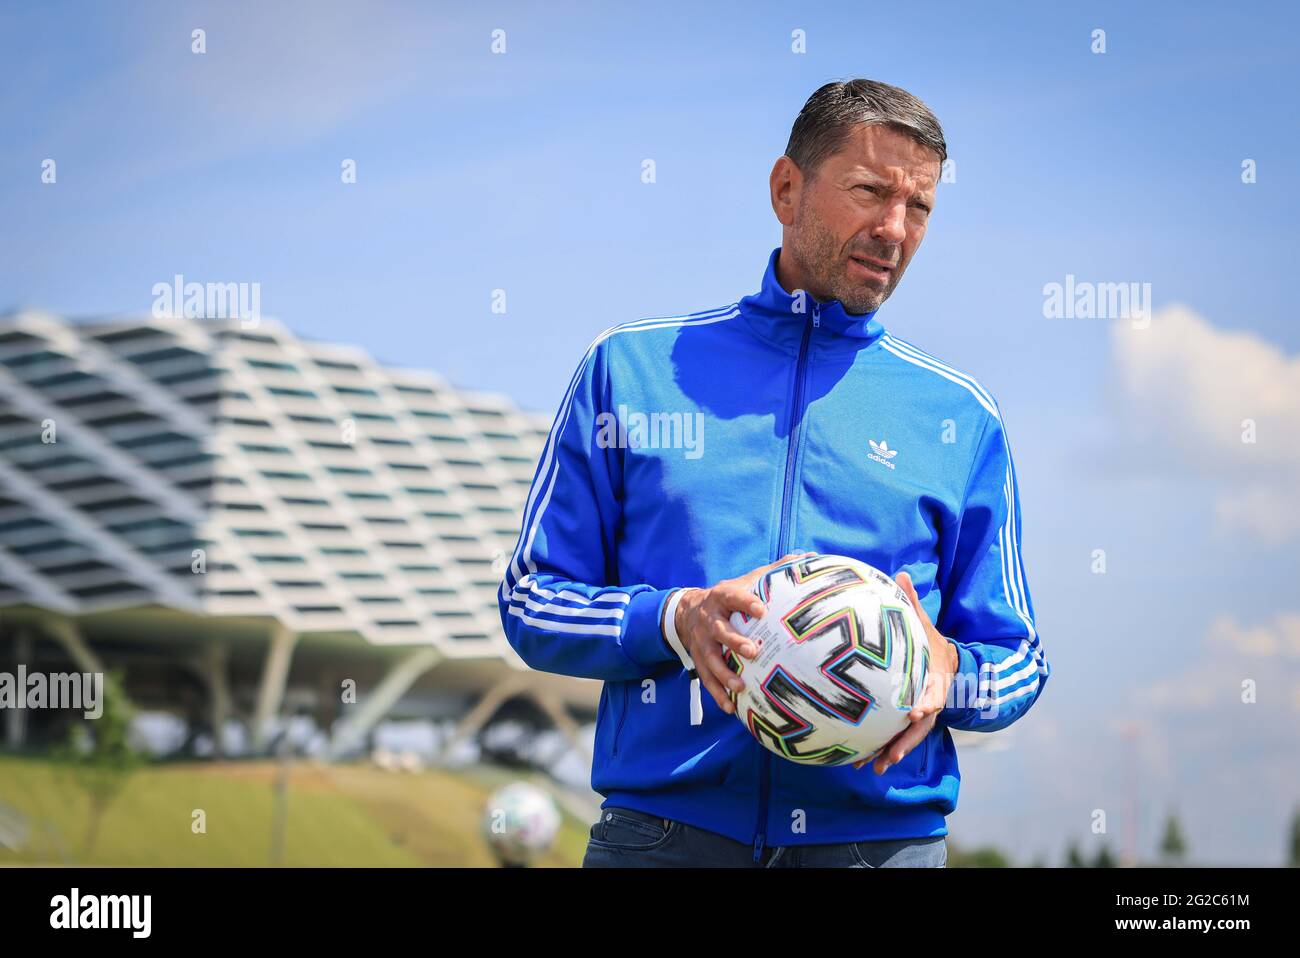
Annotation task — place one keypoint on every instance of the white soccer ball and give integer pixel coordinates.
(519, 822)
(842, 658)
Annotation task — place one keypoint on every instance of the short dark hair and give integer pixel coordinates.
(831, 113)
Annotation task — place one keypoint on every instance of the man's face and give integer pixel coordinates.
(852, 228)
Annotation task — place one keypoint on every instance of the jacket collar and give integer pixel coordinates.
(780, 317)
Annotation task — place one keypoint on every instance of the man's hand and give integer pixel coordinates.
(943, 666)
(703, 624)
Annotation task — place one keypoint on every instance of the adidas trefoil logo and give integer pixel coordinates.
(881, 452)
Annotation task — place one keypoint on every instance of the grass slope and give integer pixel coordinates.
(341, 815)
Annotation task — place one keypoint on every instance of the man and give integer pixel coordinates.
(824, 432)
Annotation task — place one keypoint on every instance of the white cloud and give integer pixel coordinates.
(1277, 639)
(1207, 690)
(1206, 751)
(1189, 394)
(1266, 510)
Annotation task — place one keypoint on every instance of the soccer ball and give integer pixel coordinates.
(842, 658)
(519, 822)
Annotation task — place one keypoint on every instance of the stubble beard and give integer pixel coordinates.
(818, 252)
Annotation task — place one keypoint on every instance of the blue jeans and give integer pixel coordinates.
(625, 838)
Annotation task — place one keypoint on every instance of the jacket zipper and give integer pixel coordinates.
(796, 433)
(787, 498)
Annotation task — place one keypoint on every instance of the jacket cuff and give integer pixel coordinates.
(964, 690)
(644, 641)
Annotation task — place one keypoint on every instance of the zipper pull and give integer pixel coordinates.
(817, 315)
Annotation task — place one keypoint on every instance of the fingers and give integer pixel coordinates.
(717, 678)
(872, 757)
(715, 690)
(882, 757)
(935, 692)
(896, 749)
(736, 598)
(719, 630)
(902, 743)
(707, 632)
(943, 658)
(931, 699)
(711, 619)
(709, 637)
(905, 583)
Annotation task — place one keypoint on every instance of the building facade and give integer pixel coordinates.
(230, 509)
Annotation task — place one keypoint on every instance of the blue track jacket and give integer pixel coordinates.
(696, 448)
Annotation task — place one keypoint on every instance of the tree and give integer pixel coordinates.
(1173, 848)
(1072, 857)
(985, 857)
(1104, 858)
(1295, 839)
(101, 762)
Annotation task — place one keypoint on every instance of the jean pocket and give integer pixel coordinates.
(860, 859)
(631, 830)
(902, 853)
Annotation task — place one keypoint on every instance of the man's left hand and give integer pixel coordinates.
(943, 666)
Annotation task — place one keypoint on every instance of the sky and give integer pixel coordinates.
(521, 171)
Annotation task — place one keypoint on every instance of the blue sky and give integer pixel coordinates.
(521, 172)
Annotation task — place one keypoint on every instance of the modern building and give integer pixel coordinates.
(229, 514)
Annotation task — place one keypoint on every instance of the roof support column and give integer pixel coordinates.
(483, 711)
(217, 681)
(270, 692)
(375, 705)
(554, 708)
(16, 718)
(65, 632)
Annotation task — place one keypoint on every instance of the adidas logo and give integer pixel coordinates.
(881, 452)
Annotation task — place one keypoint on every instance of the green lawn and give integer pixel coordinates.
(339, 815)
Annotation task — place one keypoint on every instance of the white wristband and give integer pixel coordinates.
(670, 630)
(675, 642)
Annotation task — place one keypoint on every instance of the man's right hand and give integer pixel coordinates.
(703, 623)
